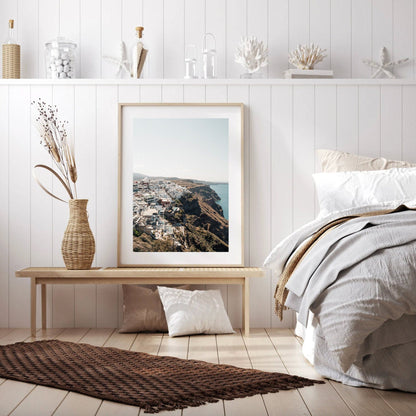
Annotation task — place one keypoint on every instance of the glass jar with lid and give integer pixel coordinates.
(60, 58)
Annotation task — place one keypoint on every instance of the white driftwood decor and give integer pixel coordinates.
(251, 54)
(306, 56)
(385, 66)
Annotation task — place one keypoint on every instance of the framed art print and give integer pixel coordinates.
(180, 185)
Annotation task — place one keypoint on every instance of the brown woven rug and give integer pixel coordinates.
(154, 383)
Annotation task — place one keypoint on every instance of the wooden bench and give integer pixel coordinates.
(150, 275)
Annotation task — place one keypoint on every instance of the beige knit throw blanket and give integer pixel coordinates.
(280, 294)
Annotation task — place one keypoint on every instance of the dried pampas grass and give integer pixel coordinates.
(55, 139)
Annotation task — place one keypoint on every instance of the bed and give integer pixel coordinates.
(351, 274)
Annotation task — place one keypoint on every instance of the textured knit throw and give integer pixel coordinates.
(154, 383)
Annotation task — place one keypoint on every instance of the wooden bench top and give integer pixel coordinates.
(165, 272)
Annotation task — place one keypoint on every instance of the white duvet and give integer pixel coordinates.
(359, 280)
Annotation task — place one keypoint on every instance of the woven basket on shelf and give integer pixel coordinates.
(11, 61)
(78, 245)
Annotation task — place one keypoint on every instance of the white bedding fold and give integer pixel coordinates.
(359, 280)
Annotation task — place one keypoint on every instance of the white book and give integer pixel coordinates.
(309, 73)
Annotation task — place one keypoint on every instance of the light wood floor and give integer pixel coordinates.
(265, 349)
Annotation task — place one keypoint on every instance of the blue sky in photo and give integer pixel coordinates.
(185, 148)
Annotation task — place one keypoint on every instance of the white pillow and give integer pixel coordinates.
(194, 311)
(341, 190)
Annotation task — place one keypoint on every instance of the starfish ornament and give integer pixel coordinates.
(385, 66)
(122, 62)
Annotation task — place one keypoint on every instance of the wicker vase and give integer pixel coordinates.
(78, 245)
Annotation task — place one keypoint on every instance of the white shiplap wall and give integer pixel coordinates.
(349, 29)
(285, 122)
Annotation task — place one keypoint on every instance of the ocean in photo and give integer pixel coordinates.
(222, 190)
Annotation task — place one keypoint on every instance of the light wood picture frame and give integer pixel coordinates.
(181, 185)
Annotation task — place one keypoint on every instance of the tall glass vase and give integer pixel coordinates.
(78, 245)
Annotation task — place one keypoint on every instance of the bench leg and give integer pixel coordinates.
(33, 306)
(246, 308)
(43, 295)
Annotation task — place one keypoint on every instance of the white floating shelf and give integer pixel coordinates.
(202, 82)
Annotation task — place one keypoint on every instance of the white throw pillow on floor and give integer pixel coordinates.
(194, 311)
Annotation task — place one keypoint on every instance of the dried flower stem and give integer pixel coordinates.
(55, 140)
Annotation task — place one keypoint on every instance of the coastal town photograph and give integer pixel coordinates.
(180, 185)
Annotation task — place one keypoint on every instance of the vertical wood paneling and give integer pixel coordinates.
(260, 107)
(195, 26)
(341, 59)
(86, 158)
(325, 117)
(151, 93)
(28, 30)
(63, 295)
(236, 26)
(131, 17)
(281, 219)
(298, 23)
(278, 41)
(4, 217)
(361, 19)
(194, 93)
(41, 211)
(153, 36)
(69, 22)
(174, 38)
(347, 118)
(303, 151)
(351, 30)
(90, 51)
(402, 40)
(218, 94)
(107, 205)
(172, 93)
(320, 28)
(129, 93)
(19, 203)
(382, 27)
(216, 24)
(240, 94)
(369, 120)
(391, 122)
(409, 123)
(283, 127)
(8, 10)
(325, 122)
(257, 21)
(110, 34)
(48, 24)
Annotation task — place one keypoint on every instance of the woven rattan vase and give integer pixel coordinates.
(78, 245)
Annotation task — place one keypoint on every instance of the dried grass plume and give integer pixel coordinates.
(55, 139)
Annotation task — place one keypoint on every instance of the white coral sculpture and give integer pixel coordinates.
(306, 56)
(251, 54)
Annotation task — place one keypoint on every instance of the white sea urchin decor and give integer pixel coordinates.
(306, 56)
(251, 54)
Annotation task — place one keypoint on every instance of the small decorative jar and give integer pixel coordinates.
(60, 58)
